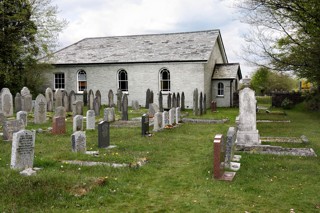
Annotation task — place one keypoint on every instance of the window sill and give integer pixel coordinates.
(220, 96)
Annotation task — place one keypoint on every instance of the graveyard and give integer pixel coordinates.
(158, 169)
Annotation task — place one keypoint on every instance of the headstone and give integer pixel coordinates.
(135, 105)
(183, 105)
(178, 100)
(195, 102)
(148, 97)
(157, 121)
(40, 110)
(78, 123)
(178, 115)
(247, 133)
(22, 152)
(58, 125)
(98, 96)
(6, 102)
(110, 98)
(96, 106)
(204, 104)
(60, 112)
(213, 106)
(72, 99)
(78, 142)
(17, 103)
(85, 97)
(169, 101)
(124, 110)
(151, 96)
(26, 100)
(103, 134)
(174, 100)
(77, 108)
(25, 91)
(49, 97)
(160, 102)
(119, 99)
(23, 115)
(201, 104)
(2, 118)
(10, 127)
(231, 138)
(153, 108)
(172, 115)
(145, 125)
(65, 101)
(90, 99)
(165, 119)
(58, 98)
(91, 119)
(109, 114)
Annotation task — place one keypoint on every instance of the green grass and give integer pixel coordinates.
(177, 177)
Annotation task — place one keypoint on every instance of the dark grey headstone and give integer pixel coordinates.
(124, 110)
(119, 99)
(85, 97)
(183, 105)
(103, 134)
(98, 96)
(90, 99)
(178, 100)
(195, 102)
(160, 102)
(201, 104)
(169, 101)
(204, 103)
(110, 98)
(96, 106)
(145, 125)
(174, 100)
(148, 97)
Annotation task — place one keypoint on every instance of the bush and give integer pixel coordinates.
(286, 104)
(312, 101)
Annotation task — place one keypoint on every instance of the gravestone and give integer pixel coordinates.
(153, 108)
(103, 134)
(72, 99)
(135, 105)
(90, 99)
(178, 115)
(10, 127)
(65, 101)
(178, 100)
(174, 100)
(157, 121)
(151, 97)
(22, 152)
(124, 110)
(40, 110)
(49, 98)
(78, 123)
(169, 101)
(23, 115)
(26, 100)
(172, 114)
(119, 98)
(6, 102)
(145, 125)
(230, 146)
(25, 91)
(110, 98)
(201, 104)
(17, 103)
(195, 102)
(85, 97)
(98, 96)
(91, 119)
(60, 112)
(247, 131)
(160, 102)
(96, 106)
(78, 142)
(204, 104)
(165, 119)
(183, 105)
(148, 98)
(58, 98)
(109, 114)
(77, 108)
(2, 118)
(58, 125)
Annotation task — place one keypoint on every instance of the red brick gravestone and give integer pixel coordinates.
(58, 125)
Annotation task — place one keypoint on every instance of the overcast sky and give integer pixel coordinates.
(96, 18)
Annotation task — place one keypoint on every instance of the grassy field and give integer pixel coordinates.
(176, 178)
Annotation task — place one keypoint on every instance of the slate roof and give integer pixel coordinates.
(186, 46)
(227, 71)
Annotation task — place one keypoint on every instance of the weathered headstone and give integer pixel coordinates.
(135, 105)
(78, 123)
(151, 96)
(10, 127)
(58, 98)
(178, 115)
(172, 115)
(165, 119)
(40, 110)
(17, 103)
(23, 115)
(148, 97)
(110, 98)
(109, 114)
(90, 99)
(22, 152)
(195, 102)
(183, 105)
(85, 97)
(169, 101)
(26, 100)
(119, 99)
(58, 125)
(6, 103)
(78, 142)
(77, 108)
(2, 118)
(145, 125)
(153, 108)
(103, 134)
(98, 96)
(49, 97)
(247, 133)
(96, 106)
(72, 99)
(160, 102)
(65, 101)
(201, 104)
(204, 103)
(174, 100)
(230, 143)
(91, 119)
(178, 100)
(60, 112)
(124, 110)
(157, 121)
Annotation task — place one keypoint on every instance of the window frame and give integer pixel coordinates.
(164, 83)
(123, 83)
(78, 81)
(220, 92)
(59, 82)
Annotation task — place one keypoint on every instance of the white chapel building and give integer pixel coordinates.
(170, 63)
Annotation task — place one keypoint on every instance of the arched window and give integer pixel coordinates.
(220, 89)
(82, 80)
(164, 80)
(123, 80)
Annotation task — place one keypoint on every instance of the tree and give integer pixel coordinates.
(285, 35)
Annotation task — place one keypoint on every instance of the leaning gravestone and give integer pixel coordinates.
(10, 127)
(96, 106)
(145, 125)
(160, 102)
(165, 119)
(23, 115)
(110, 98)
(58, 98)
(169, 101)
(230, 147)
(22, 153)
(40, 110)
(6, 102)
(78, 142)
(65, 101)
(90, 99)
(247, 133)
(58, 125)
(49, 97)
(72, 99)
(91, 119)
(183, 105)
(26, 100)
(78, 123)
(103, 134)
(195, 102)
(17, 103)
(109, 114)
(157, 121)
(124, 110)
(119, 98)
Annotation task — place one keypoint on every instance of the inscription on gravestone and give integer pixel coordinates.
(10, 127)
